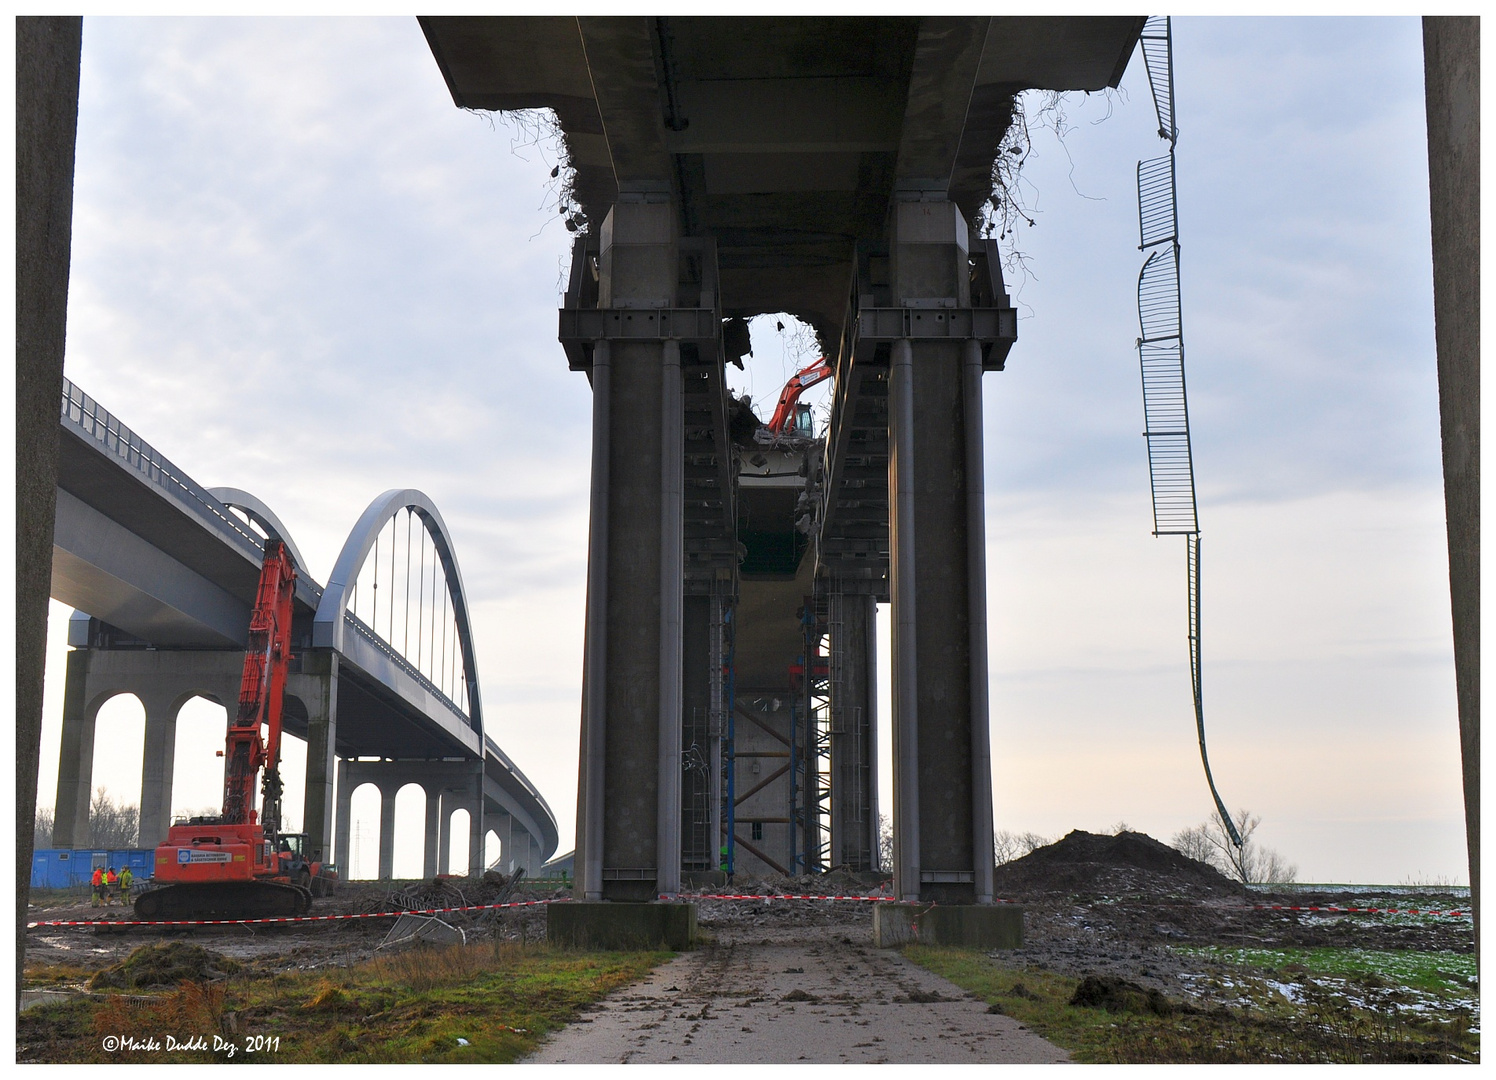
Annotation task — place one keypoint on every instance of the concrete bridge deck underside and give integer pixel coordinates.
(835, 169)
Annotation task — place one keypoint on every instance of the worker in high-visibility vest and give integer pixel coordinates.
(98, 886)
(126, 879)
(111, 879)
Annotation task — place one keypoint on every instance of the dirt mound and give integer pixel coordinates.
(1119, 995)
(1128, 862)
(164, 965)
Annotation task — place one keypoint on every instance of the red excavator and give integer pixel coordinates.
(804, 379)
(239, 864)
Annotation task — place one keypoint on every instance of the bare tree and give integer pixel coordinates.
(111, 825)
(885, 844)
(43, 830)
(1273, 869)
(1249, 863)
(1007, 846)
(1194, 843)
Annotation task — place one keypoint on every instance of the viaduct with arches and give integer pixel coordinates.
(383, 689)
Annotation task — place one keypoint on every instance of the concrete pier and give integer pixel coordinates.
(628, 838)
(942, 786)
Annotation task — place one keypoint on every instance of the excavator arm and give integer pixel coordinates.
(261, 691)
(803, 380)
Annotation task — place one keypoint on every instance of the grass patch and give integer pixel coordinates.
(50, 976)
(463, 1003)
(1443, 973)
(1323, 1026)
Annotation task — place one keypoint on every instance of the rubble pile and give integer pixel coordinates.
(1128, 862)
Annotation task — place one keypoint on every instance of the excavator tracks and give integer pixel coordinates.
(227, 900)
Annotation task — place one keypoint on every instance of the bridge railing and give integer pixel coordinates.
(93, 421)
(492, 748)
(394, 656)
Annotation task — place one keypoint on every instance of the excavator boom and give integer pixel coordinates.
(230, 866)
(801, 381)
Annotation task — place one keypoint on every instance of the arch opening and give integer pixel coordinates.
(119, 746)
(458, 825)
(493, 850)
(363, 834)
(410, 823)
(197, 768)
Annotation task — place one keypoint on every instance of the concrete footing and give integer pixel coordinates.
(970, 925)
(605, 925)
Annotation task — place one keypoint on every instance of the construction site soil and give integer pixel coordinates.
(1122, 907)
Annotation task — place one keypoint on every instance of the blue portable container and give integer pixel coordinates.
(64, 868)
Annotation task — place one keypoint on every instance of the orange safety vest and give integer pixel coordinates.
(98, 878)
(111, 877)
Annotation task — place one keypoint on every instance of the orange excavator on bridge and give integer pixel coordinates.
(784, 413)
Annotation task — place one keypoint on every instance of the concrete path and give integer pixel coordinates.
(811, 994)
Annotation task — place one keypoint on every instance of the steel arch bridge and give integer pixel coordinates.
(384, 687)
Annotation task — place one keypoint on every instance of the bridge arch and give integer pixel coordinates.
(328, 627)
(262, 516)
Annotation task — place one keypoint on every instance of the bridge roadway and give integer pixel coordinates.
(163, 575)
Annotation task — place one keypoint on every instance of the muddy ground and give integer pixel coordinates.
(1114, 905)
(293, 947)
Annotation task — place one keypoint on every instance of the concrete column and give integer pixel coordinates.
(75, 760)
(158, 759)
(640, 846)
(854, 788)
(342, 851)
(698, 842)
(937, 573)
(387, 832)
(476, 864)
(317, 687)
(444, 832)
(433, 830)
(1451, 65)
(983, 863)
(672, 599)
(593, 757)
(716, 725)
(902, 580)
(47, 52)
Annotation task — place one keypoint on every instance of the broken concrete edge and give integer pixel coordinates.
(973, 926)
(606, 925)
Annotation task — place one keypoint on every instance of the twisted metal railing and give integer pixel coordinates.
(1171, 467)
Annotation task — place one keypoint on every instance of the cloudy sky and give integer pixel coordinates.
(299, 270)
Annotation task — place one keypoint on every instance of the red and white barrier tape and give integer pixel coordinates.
(682, 896)
(291, 918)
